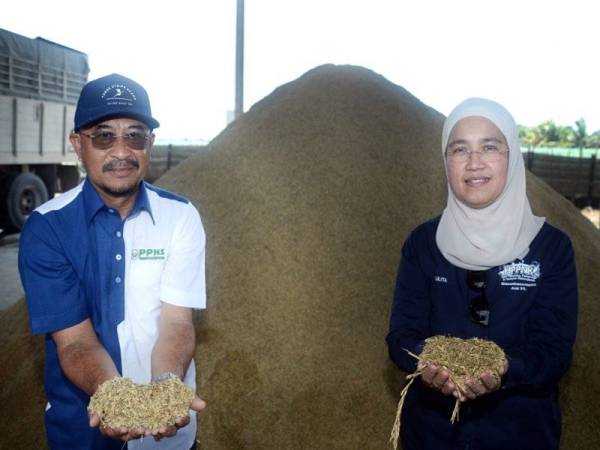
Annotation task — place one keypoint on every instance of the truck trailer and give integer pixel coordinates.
(40, 82)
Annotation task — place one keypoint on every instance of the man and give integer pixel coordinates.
(112, 270)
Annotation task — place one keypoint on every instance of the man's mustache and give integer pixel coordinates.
(117, 164)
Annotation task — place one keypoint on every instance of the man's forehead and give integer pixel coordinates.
(120, 123)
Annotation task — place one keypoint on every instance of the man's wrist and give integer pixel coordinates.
(164, 376)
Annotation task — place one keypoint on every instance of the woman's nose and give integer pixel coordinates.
(475, 159)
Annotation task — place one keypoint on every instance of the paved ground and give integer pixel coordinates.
(10, 284)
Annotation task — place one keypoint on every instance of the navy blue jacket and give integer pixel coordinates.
(533, 318)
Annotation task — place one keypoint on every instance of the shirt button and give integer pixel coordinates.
(118, 280)
(118, 234)
(118, 257)
(111, 210)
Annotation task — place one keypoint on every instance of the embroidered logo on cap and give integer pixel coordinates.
(118, 94)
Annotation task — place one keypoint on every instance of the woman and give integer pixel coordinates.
(486, 268)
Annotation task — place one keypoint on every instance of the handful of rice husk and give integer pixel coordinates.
(462, 358)
(121, 403)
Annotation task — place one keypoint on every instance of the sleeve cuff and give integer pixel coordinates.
(178, 297)
(49, 324)
(514, 375)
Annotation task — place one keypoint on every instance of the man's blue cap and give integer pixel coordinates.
(113, 96)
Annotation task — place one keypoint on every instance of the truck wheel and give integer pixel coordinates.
(21, 194)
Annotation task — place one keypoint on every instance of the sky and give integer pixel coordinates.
(537, 58)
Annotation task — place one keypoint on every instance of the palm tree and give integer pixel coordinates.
(579, 135)
(530, 136)
(578, 140)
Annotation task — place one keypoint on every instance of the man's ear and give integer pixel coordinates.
(75, 139)
(150, 143)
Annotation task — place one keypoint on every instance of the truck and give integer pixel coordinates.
(40, 82)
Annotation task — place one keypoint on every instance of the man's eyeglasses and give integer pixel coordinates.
(479, 307)
(104, 140)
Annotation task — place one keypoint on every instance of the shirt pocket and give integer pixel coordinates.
(145, 274)
(143, 284)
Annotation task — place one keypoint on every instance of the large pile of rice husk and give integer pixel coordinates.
(306, 200)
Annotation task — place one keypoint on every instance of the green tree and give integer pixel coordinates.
(530, 136)
(593, 140)
(550, 133)
(565, 135)
(579, 136)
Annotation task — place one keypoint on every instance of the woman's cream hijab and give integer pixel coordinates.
(478, 239)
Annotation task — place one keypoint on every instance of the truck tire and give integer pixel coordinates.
(21, 194)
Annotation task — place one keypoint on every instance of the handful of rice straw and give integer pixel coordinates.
(121, 403)
(462, 358)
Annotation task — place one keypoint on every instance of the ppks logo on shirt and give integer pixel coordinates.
(118, 94)
(148, 253)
